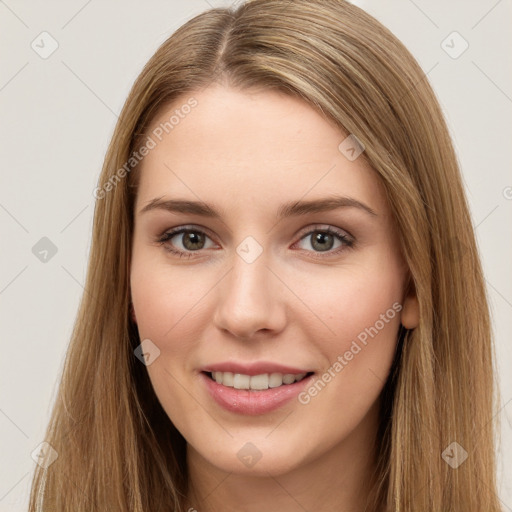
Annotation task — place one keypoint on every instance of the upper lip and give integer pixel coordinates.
(254, 368)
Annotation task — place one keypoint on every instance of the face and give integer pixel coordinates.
(270, 283)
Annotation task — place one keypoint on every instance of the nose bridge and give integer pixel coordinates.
(249, 299)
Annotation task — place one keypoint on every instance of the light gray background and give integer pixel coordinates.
(57, 116)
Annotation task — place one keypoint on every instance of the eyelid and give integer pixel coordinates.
(186, 227)
(324, 227)
(304, 231)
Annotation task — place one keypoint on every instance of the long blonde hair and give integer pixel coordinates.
(117, 449)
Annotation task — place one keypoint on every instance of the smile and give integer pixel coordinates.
(253, 394)
(260, 382)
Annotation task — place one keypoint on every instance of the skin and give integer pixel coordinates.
(247, 153)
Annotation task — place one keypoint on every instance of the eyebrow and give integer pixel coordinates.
(293, 208)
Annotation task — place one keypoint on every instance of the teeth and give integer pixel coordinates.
(241, 381)
(259, 381)
(275, 380)
(288, 378)
(227, 378)
(255, 382)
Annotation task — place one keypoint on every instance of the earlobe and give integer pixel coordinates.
(411, 311)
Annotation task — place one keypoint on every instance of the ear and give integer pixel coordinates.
(410, 317)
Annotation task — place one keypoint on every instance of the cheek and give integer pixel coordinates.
(357, 301)
(166, 303)
(363, 312)
(161, 296)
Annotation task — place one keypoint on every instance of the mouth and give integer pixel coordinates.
(253, 395)
(261, 382)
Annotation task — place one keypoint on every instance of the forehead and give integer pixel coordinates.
(247, 146)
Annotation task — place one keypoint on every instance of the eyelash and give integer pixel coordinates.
(347, 241)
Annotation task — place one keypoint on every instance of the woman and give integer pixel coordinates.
(285, 308)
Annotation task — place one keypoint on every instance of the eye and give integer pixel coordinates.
(192, 240)
(322, 240)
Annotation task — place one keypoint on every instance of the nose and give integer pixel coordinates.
(251, 300)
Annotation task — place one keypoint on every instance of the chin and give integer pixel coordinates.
(254, 455)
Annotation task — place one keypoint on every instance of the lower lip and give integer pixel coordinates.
(250, 402)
